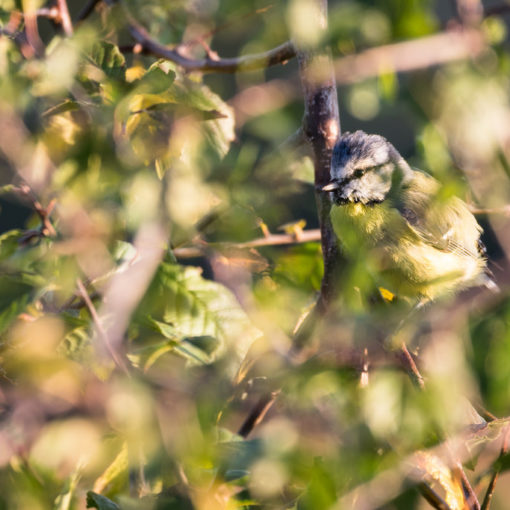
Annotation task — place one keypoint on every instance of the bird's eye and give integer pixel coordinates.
(358, 173)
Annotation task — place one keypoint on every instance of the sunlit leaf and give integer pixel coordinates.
(116, 474)
(202, 318)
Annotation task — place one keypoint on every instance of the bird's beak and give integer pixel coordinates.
(332, 186)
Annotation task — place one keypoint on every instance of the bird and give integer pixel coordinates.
(417, 243)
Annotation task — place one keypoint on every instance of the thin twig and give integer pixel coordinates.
(46, 229)
(65, 18)
(257, 413)
(470, 498)
(433, 497)
(279, 55)
(487, 500)
(100, 329)
(410, 366)
(305, 236)
(31, 29)
(504, 210)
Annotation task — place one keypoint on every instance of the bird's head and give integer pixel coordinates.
(364, 168)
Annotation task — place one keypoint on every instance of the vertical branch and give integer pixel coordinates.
(65, 18)
(322, 129)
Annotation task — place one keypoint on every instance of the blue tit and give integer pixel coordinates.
(417, 244)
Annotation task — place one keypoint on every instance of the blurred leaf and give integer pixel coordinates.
(157, 79)
(220, 132)
(14, 296)
(100, 502)
(202, 319)
(108, 57)
(321, 492)
(116, 474)
(64, 501)
(8, 188)
(9, 243)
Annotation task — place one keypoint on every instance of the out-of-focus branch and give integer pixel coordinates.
(305, 236)
(64, 17)
(322, 129)
(492, 484)
(504, 210)
(26, 193)
(470, 12)
(495, 10)
(279, 55)
(31, 28)
(87, 9)
(411, 55)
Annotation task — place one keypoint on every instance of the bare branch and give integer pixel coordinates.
(411, 55)
(279, 55)
(471, 500)
(257, 413)
(305, 236)
(492, 484)
(64, 17)
(87, 9)
(470, 12)
(433, 497)
(497, 10)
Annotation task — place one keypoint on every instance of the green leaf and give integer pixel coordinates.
(219, 131)
(64, 500)
(14, 296)
(156, 80)
(108, 57)
(200, 319)
(9, 243)
(116, 474)
(8, 188)
(66, 106)
(100, 502)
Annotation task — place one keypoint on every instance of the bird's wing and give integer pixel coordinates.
(446, 224)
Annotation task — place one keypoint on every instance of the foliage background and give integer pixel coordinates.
(131, 288)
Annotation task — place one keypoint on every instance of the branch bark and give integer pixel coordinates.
(322, 129)
(279, 55)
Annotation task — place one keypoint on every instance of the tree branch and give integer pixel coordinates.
(64, 17)
(87, 9)
(487, 500)
(279, 55)
(410, 55)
